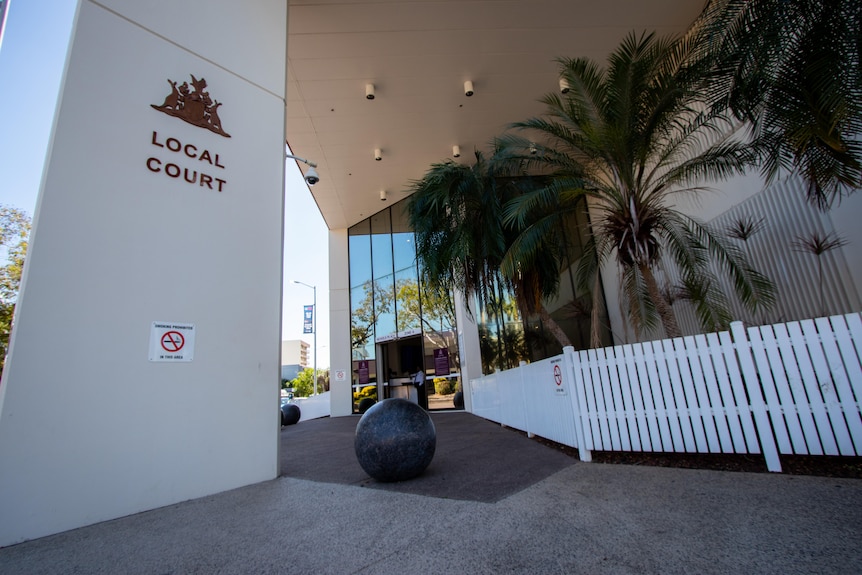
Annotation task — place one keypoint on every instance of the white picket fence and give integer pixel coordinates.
(791, 388)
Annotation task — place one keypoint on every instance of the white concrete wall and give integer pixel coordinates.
(339, 325)
(314, 407)
(90, 429)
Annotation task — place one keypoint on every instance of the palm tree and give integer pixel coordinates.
(817, 245)
(632, 138)
(456, 212)
(792, 70)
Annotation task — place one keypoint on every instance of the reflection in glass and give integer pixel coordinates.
(407, 304)
(362, 321)
(361, 293)
(382, 273)
(384, 317)
(387, 303)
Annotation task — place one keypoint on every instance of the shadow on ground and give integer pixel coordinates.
(475, 460)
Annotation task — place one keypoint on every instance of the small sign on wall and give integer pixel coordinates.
(170, 341)
(559, 384)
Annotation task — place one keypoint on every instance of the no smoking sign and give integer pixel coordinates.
(172, 341)
(559, 388)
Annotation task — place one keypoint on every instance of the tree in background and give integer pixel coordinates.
(303, 383)
(437, 314)
(322, 380)
(303, 386)
(364, 316)
(631, 137)
(14, 234)
(791, 69)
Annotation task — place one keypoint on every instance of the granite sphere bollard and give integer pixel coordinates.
(458, 400)
(365, 404)
(395, 440)
(290, 414)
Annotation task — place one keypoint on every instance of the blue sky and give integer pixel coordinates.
(32, 57)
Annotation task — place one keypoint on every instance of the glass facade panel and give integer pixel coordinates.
(361, 293)
(407, 303)
(383, 275)
(395, 328)
(501, 331)
(397, 324)
(506, 337)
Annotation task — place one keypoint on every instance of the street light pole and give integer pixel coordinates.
(314, 329)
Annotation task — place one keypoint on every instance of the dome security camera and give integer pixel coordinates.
(311, 177)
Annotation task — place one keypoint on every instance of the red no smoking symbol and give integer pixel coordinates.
(558, 375)
(173, 341)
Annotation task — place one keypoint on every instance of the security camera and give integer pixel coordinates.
(468, 88)
(311, 177)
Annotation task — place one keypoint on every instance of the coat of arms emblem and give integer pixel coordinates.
(193, 105)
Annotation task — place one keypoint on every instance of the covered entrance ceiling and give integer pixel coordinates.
(418, 55)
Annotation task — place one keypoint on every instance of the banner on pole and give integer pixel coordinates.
(308, 319)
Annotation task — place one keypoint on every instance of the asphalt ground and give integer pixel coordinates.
(491, 501)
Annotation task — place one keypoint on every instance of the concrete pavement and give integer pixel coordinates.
(575, 518)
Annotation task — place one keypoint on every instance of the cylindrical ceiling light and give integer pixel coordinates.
(468, 88)
(564, 86)
(378, 155)
(456, 151)
(382, 195)
(369, 91)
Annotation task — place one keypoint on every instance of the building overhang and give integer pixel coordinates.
(418, 56)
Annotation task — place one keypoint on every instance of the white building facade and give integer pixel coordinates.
(166, 167)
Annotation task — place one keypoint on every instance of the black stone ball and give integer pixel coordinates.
(395, 440)
(290, 414)
(458, 400)
(365, 404)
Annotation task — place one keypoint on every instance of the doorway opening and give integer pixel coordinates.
(403, 363)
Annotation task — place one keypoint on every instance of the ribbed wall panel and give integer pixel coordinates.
(774, 252)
